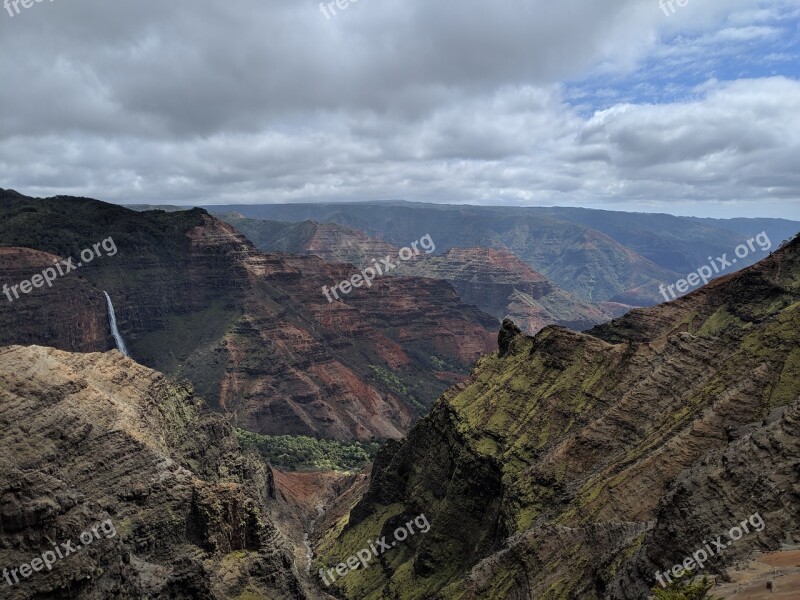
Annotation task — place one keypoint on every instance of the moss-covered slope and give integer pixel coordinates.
(549, 474)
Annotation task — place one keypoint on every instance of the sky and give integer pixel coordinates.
(619, 105)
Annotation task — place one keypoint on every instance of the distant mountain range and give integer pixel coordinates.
(494, 280)
(596, 255)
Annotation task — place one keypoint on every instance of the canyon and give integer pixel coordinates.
(549, 462)
(251, 331)
(494, 280)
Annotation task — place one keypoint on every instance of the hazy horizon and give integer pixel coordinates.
(750, 212)
(630, 106)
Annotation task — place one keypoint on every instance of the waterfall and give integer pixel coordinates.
(112, 319)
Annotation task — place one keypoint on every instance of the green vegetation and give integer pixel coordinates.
(438, 363)
(389, 379)
(67, 226)
(302, 453)
(340, 542)
(395, 384)
(681, 590)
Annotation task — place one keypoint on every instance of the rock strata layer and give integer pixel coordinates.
(579, 465)
(87, 439)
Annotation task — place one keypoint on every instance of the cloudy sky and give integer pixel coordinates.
(613, 104)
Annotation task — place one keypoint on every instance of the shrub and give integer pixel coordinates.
(303, 453)
(683, 590)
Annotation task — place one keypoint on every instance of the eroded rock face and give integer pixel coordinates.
(576, 466)
(95, 438)
(254, 332)
(503, 285)
(493, 279)
(326, 367)
(77, 321)
(754, 475)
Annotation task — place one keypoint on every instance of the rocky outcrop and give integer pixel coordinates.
(508, 332)
(577, 465)
(98, 441)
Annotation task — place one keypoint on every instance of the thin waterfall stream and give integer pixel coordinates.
(112, 319)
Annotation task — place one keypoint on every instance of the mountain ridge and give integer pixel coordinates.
(91, 438)
(667, 246)
(562, 463)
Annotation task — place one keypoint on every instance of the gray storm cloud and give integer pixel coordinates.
(263, 100)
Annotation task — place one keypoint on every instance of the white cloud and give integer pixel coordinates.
(443, 101)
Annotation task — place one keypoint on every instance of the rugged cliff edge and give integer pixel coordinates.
(95, 438)
(578, 465)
